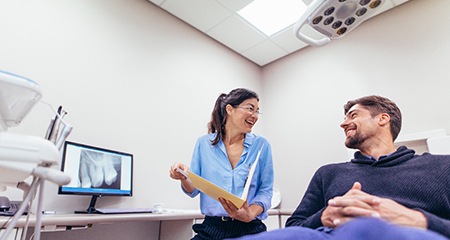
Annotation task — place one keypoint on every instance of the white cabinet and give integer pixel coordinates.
(439, 145)
(433, 141)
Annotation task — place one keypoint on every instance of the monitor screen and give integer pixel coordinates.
(96, 171)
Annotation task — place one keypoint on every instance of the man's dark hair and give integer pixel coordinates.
(376, 105)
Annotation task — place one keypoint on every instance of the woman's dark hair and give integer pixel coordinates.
(377, 105)
(219, 114)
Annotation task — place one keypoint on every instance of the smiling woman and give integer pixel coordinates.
(224, 157)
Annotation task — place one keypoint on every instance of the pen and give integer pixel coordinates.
(248, 173)
(182, 172)
(48, 212)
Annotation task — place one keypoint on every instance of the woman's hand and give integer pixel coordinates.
(244, 214)
(175, 174)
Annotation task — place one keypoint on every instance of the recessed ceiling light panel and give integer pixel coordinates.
(270, 16)
(334, 18)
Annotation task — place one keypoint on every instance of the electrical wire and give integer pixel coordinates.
(60, 116)
(27, 199)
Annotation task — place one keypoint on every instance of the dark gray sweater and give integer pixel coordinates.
(419, 182)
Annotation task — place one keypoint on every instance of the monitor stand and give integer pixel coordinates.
(91, 208)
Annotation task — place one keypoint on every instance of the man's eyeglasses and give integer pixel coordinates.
(250, 110)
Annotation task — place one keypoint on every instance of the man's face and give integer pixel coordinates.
(359, 126)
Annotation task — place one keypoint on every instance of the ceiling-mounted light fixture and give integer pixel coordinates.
(334, 18)
(271, 16)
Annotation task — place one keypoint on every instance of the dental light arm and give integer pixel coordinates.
(298, 26)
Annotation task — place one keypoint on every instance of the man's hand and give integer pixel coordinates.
(399, 214)
(356, 203)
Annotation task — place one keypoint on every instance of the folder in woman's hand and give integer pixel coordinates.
(211, 189)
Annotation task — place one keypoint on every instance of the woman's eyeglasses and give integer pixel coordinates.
(250, 110)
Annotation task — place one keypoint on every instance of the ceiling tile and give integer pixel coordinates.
(219, 20)
(398, 2)
(235, 5)
(264, 52)
(287, 41)
(201, 14)
(157, 2)
(237, 34)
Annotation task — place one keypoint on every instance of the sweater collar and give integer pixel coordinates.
(401, 155)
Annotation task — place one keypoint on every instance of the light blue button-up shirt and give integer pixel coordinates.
(211, 162)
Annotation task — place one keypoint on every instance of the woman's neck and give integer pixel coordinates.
(231, 138)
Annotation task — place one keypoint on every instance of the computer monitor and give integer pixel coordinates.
(96, 172)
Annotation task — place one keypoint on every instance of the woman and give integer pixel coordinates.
(224, 157)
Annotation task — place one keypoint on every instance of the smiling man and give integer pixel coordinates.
(384, 192)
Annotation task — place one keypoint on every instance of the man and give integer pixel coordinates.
(383, 193)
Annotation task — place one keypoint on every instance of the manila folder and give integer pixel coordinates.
(213, 190)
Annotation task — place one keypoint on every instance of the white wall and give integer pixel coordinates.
(135, 79)
(402, 54)
(132, 77)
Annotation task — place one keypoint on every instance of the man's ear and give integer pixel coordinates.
(384, 119)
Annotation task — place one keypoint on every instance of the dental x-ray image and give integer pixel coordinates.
(99, 170)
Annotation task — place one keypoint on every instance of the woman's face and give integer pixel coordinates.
(244, 116)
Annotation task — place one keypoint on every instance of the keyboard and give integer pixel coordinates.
(123, 210)
(13, 208)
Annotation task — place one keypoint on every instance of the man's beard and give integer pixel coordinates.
(355, 141)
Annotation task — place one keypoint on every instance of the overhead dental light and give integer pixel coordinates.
(334, 18)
